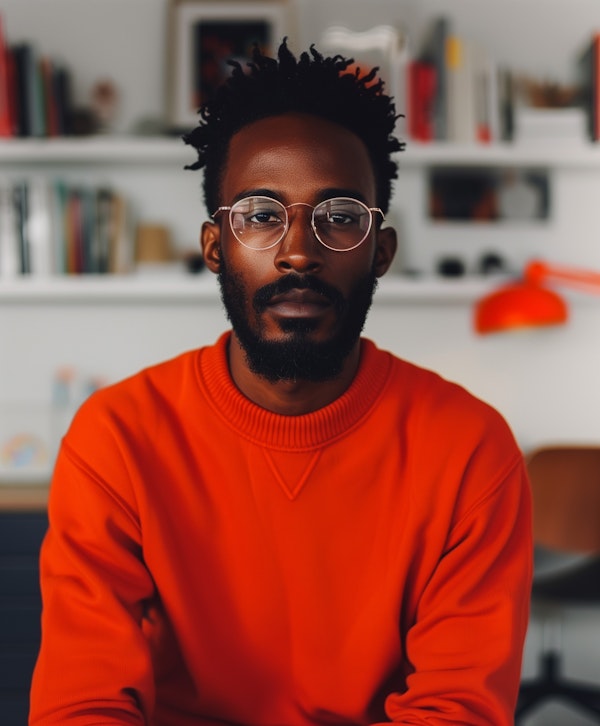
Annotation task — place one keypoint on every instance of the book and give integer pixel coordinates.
(422, 89)
(434, 52)
(50, 110)
(58, 215)
(20, 195)
(461, 113)
(6, 127)
(588, 71)
(506, 104)
(36, 97)
(74, 232)
(121, 251)
(10, 263)
(22, 58)
(103, 212)
(39, 227)
(485, 89)
(61, 89)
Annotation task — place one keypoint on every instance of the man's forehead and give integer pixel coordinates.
(292, 145)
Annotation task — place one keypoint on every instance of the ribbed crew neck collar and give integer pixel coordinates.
(298, 433)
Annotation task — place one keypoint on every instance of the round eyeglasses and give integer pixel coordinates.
(340, 224)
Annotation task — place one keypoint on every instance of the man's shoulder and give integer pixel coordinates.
(147, 390)
(433, 397)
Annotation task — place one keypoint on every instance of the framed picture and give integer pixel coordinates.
(203, 35)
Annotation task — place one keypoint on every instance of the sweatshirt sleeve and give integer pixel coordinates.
(464, 647)
(94, 664)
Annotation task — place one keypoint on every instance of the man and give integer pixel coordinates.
(290, 527)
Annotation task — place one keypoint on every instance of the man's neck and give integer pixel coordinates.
(289, 398)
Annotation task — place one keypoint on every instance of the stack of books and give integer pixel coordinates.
(49, 228)
(456, 92)
(35, 93)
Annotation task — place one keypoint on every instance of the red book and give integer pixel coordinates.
(6, 127)
(422, 83)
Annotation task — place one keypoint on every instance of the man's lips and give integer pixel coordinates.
(299, 303)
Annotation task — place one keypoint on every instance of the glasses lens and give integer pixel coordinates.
(258, 222)
(341, 223)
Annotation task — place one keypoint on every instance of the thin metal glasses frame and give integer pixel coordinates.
(313, 225)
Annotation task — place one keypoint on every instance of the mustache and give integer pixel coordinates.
(292, 281)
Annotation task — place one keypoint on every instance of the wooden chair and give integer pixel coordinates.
(565, 482)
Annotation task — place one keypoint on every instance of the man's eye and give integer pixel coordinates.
(264, 218)
(340, 218)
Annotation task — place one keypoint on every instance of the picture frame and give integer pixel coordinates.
(203, 35)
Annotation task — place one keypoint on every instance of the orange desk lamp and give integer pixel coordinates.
(528, 302)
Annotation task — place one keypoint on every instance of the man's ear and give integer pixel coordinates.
(210, 242)
(387, 244)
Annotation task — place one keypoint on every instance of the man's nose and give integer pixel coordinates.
(299, 250)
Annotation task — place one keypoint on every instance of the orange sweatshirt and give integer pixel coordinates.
(211, 563)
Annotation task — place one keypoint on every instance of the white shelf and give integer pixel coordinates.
(109, 288)
(576, 154)
(96, 149)
(158, 150)
(203, 287)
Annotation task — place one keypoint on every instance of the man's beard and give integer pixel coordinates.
(297, 357)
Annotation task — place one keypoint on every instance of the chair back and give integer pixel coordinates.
(565, 482)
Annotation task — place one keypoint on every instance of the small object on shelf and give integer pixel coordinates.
(104, 103)
(194, 262)
(523, 196)
(533, 125)
(153, 244)
(451, 267)
(491, 264)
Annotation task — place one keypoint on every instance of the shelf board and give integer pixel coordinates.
(110, 288)
(547, 153)
(116, 150)
(96, 149)
(203, 287)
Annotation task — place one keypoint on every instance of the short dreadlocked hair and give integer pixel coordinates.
(314, 84)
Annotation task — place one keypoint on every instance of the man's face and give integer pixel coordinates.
(298, 308)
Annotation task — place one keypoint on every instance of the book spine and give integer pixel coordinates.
(20, 201)
(436, 54)
(59, 196)
(6, 128)
(421, 95)
(39, 228)
(461, 91)
(23, 58)
(10, 265)
(48, 97)
(61, 86)
(596, 87)
(588, 70)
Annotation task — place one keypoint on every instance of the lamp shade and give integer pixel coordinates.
(528, 303)
(519, 305)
